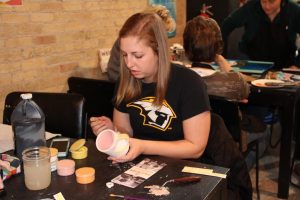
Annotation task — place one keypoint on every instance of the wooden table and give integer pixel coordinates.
(208, 188)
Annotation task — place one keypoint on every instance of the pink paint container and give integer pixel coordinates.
(65, 167)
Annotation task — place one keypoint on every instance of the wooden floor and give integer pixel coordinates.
(268, 175)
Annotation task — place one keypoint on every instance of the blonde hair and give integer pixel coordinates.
(164, 14)
(150, 28)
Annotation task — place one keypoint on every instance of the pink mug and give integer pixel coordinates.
(112, 143)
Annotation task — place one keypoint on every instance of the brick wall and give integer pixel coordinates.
(43, 42)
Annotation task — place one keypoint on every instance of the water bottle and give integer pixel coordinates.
(28, 124)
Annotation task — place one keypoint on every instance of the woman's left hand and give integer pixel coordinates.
(135, 149)
(243, 101)
(99, 124)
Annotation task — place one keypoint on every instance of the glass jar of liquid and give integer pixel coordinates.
(37, 170)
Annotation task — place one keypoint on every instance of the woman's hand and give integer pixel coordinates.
(243, 101)
(293, 67)
(135, 149)
(99, 124)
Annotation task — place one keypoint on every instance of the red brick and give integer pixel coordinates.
(47, 39)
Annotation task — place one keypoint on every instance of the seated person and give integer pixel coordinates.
(271, 28)
(202, 41)
(164, 107)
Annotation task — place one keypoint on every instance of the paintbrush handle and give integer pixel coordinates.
(189, 179)
(132, 198)
(126, 197)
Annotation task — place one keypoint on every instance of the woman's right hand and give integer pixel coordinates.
(136, 149)
(99, 124)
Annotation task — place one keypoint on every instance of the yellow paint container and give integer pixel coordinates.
(53, 158)
(78, 150)
(85, 175)
(81, 153)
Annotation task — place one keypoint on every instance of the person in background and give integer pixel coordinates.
(113, 65)
(271, 28)
(202, 41)
(203, 45)
(270, 34)
(164, 107)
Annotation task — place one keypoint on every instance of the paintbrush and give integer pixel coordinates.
(126, 197)
(189, 179)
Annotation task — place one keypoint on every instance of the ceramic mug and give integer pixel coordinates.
(112, 143)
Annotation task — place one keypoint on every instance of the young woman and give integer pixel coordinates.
(163, 106)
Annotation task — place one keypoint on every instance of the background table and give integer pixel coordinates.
(286, 99)
(208, 188)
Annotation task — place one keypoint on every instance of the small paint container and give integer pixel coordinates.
(53, 158)
(78, 150)
(81, 153)
(65, 167)
(85, 175)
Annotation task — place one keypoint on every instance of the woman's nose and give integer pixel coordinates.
(129, 62)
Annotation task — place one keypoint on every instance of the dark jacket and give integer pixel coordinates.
(261, 36)
(221, 150)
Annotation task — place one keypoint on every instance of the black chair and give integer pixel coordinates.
(229, 111)
(98, 95)
(64, 113)
(221, 150)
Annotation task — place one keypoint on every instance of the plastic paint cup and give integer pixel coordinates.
(78, 150)
(112, 143)
(65, 167)
(85, 175)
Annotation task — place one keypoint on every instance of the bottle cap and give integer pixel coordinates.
(26, 96)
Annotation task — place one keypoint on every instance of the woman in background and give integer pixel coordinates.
(203, 45)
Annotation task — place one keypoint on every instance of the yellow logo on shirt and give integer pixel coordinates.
(156, 117)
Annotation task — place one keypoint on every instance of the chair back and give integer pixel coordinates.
(230, 113)
(221, 150)
(64, 113)
(98, 95)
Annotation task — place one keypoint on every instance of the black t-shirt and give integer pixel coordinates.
(186, 97)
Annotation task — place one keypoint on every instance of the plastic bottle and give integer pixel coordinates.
(28, 123)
